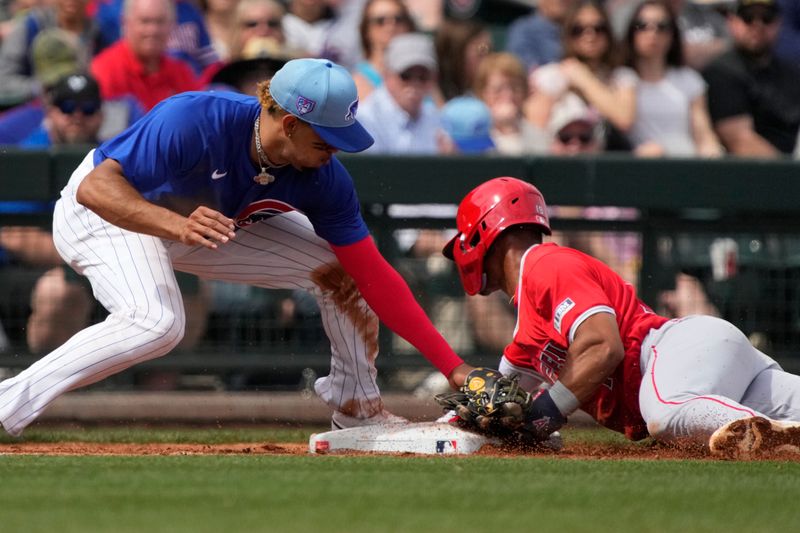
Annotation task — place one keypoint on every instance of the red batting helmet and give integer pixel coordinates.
(483, 215)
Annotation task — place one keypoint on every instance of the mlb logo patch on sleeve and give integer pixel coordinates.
(562, 309)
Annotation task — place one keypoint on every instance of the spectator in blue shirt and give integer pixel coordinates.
(536, 38)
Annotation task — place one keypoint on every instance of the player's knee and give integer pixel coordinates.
(161, 329)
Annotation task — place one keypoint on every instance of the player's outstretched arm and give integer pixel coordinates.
(388, 295)
(106, 191)
(593, 355)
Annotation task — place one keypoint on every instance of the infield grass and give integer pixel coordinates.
(243, 493)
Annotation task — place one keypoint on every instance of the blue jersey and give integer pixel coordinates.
(192, 149)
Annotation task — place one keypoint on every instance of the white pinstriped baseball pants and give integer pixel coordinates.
(132, 275)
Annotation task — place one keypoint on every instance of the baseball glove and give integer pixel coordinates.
(495, 405)
(489, 402)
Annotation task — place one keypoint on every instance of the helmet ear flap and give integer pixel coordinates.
(469, 255)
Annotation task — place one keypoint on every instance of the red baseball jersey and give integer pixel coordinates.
(560, 288)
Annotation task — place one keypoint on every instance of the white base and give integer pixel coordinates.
(422, 438)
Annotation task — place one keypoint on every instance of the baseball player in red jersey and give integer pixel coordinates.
(582, 330)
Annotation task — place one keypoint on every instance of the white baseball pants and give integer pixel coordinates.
(701, 372)
(132, 276)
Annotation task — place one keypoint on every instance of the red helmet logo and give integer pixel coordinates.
(483, 214)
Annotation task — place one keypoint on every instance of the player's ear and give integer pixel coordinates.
(289, 124)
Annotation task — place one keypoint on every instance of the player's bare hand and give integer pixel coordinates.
(208, 228)
(459, 375)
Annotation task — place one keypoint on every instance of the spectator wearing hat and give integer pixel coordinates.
(752, 95)
(576, 128)
(73, 113)
(26, 48)
(138, 64)
(466, 125)
(400, 114)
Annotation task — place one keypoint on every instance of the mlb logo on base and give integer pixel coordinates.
(446, 446)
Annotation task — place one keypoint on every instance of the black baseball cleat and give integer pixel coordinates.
(755, 436)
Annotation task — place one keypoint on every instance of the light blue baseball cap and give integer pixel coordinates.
(468, 122)
(324, 95)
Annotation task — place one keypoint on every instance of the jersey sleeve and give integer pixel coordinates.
(389, 296)
(336, 212)
(566, 291)
(162, 144)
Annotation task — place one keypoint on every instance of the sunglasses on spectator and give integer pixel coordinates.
(383, 20)
(766, 17)
(584, 137)
(272, 24)
(87, 107)
(578, 30)
(662, 26)
(422, 76)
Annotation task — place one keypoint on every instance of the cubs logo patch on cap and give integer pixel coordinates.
(324, 95)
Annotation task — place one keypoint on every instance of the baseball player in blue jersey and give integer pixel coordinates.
(240, 189)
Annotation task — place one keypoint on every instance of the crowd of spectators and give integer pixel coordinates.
(654, 78)
(664, 77)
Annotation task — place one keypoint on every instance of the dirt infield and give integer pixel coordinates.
(651, 452)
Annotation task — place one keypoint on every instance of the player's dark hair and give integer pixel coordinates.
(532, 229)
(266, 100)
(522, 231)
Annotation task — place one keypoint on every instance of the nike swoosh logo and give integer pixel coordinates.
(217, 175)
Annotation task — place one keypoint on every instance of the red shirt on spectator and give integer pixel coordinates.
(119, 72)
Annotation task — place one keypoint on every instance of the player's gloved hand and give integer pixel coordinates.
(542, 417)
(488, 402)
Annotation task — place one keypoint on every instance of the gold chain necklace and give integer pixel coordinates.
(263, 178)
